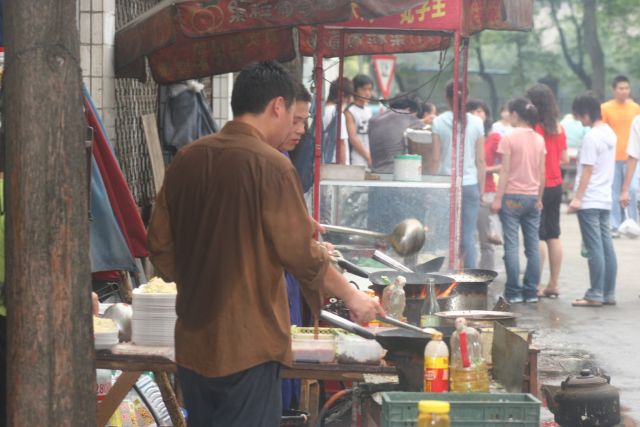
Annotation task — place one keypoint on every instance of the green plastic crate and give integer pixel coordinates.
(400, 409)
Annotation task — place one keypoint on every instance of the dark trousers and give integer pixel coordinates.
(3, 371)
(249, 398)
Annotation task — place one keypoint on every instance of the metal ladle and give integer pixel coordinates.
(407, 238)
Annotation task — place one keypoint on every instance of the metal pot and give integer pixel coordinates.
(472, 290)
(585, 400)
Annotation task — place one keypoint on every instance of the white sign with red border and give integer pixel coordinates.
(384, 67)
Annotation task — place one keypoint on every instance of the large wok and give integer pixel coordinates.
(394, 340)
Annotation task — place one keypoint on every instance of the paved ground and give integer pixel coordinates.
(572, 338)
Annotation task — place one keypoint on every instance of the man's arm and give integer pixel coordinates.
(632, 162)
(289, 228)
(436, 154)
(576, 202)
(354, 139)
(481, 164)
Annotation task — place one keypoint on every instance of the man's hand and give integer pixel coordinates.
(363, 308)
(624, 198)
(317, 227)
(575, 205)
(95, 304)
(539, 205)
(496, 205)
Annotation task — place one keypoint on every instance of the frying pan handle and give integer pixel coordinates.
(390, 262)
(352, 268)
(396, 322)
(346, 325)
(355, 231)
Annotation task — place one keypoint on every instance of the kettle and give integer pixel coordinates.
(584, 400)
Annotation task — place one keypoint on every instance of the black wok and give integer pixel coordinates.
(399, 339)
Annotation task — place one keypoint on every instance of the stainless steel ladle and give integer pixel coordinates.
(407, 238)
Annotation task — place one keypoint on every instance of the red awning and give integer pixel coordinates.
(188, 39)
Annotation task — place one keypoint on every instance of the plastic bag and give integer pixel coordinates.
(629, 227)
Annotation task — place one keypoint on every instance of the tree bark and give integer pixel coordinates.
(50, 375)
(594, 48)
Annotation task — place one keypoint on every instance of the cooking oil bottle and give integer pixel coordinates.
(436, 365)
(468, 370)
(393, 297)
(433, 413)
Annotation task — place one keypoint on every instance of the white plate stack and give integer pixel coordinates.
(106, 339)
(154, 318)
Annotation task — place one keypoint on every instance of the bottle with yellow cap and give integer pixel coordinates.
(436, 365)
(433, 413)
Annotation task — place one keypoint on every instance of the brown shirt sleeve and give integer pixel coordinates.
(287, 223)
(160, 240)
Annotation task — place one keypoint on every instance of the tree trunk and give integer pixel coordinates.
(50, 345)
(592, 44)
(488, 78)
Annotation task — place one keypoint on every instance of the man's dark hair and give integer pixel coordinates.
(475, 103)
(347, 89)
(259, 83)
(428, 108)
(361, 80)
(449, 92)
(302, 94)
(406, 102)
(619, 79)
(587, 104)
(525, 109)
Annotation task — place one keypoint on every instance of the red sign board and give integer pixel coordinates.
(384, 67)
(437, 15)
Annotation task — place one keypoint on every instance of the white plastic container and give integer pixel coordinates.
(352, 349)
(322, 350)
(407, 167)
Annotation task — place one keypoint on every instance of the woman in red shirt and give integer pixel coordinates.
(556, 145)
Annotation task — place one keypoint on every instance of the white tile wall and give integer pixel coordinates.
(97, 29)
(221, 96)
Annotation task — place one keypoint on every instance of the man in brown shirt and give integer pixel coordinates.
(229, 218)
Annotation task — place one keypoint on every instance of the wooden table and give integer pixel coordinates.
(132, 366)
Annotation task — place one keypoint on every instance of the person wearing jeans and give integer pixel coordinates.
(473, 171)
(593, 202)
(517, 211)
(519, 199)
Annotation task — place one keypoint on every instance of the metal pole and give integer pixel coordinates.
(454, 202)
(50, 341)
(319, 78)
(340, 150)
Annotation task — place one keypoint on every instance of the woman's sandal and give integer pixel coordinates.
(548, 293)
(585, 303)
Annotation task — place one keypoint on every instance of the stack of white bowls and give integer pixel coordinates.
(154, 318)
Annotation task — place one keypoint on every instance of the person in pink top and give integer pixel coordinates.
(555, 142)
(518, 199)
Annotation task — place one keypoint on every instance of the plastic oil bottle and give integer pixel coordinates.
(468, 370)
(433, 413)
(436, 365)
(393, 298)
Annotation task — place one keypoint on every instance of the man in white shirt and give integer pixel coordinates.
(358, 115)
(633, 151)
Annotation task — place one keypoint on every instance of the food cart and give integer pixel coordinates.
(185, 39)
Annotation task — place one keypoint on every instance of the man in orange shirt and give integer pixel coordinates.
(618, 113)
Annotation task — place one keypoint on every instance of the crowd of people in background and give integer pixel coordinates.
(513, 174)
